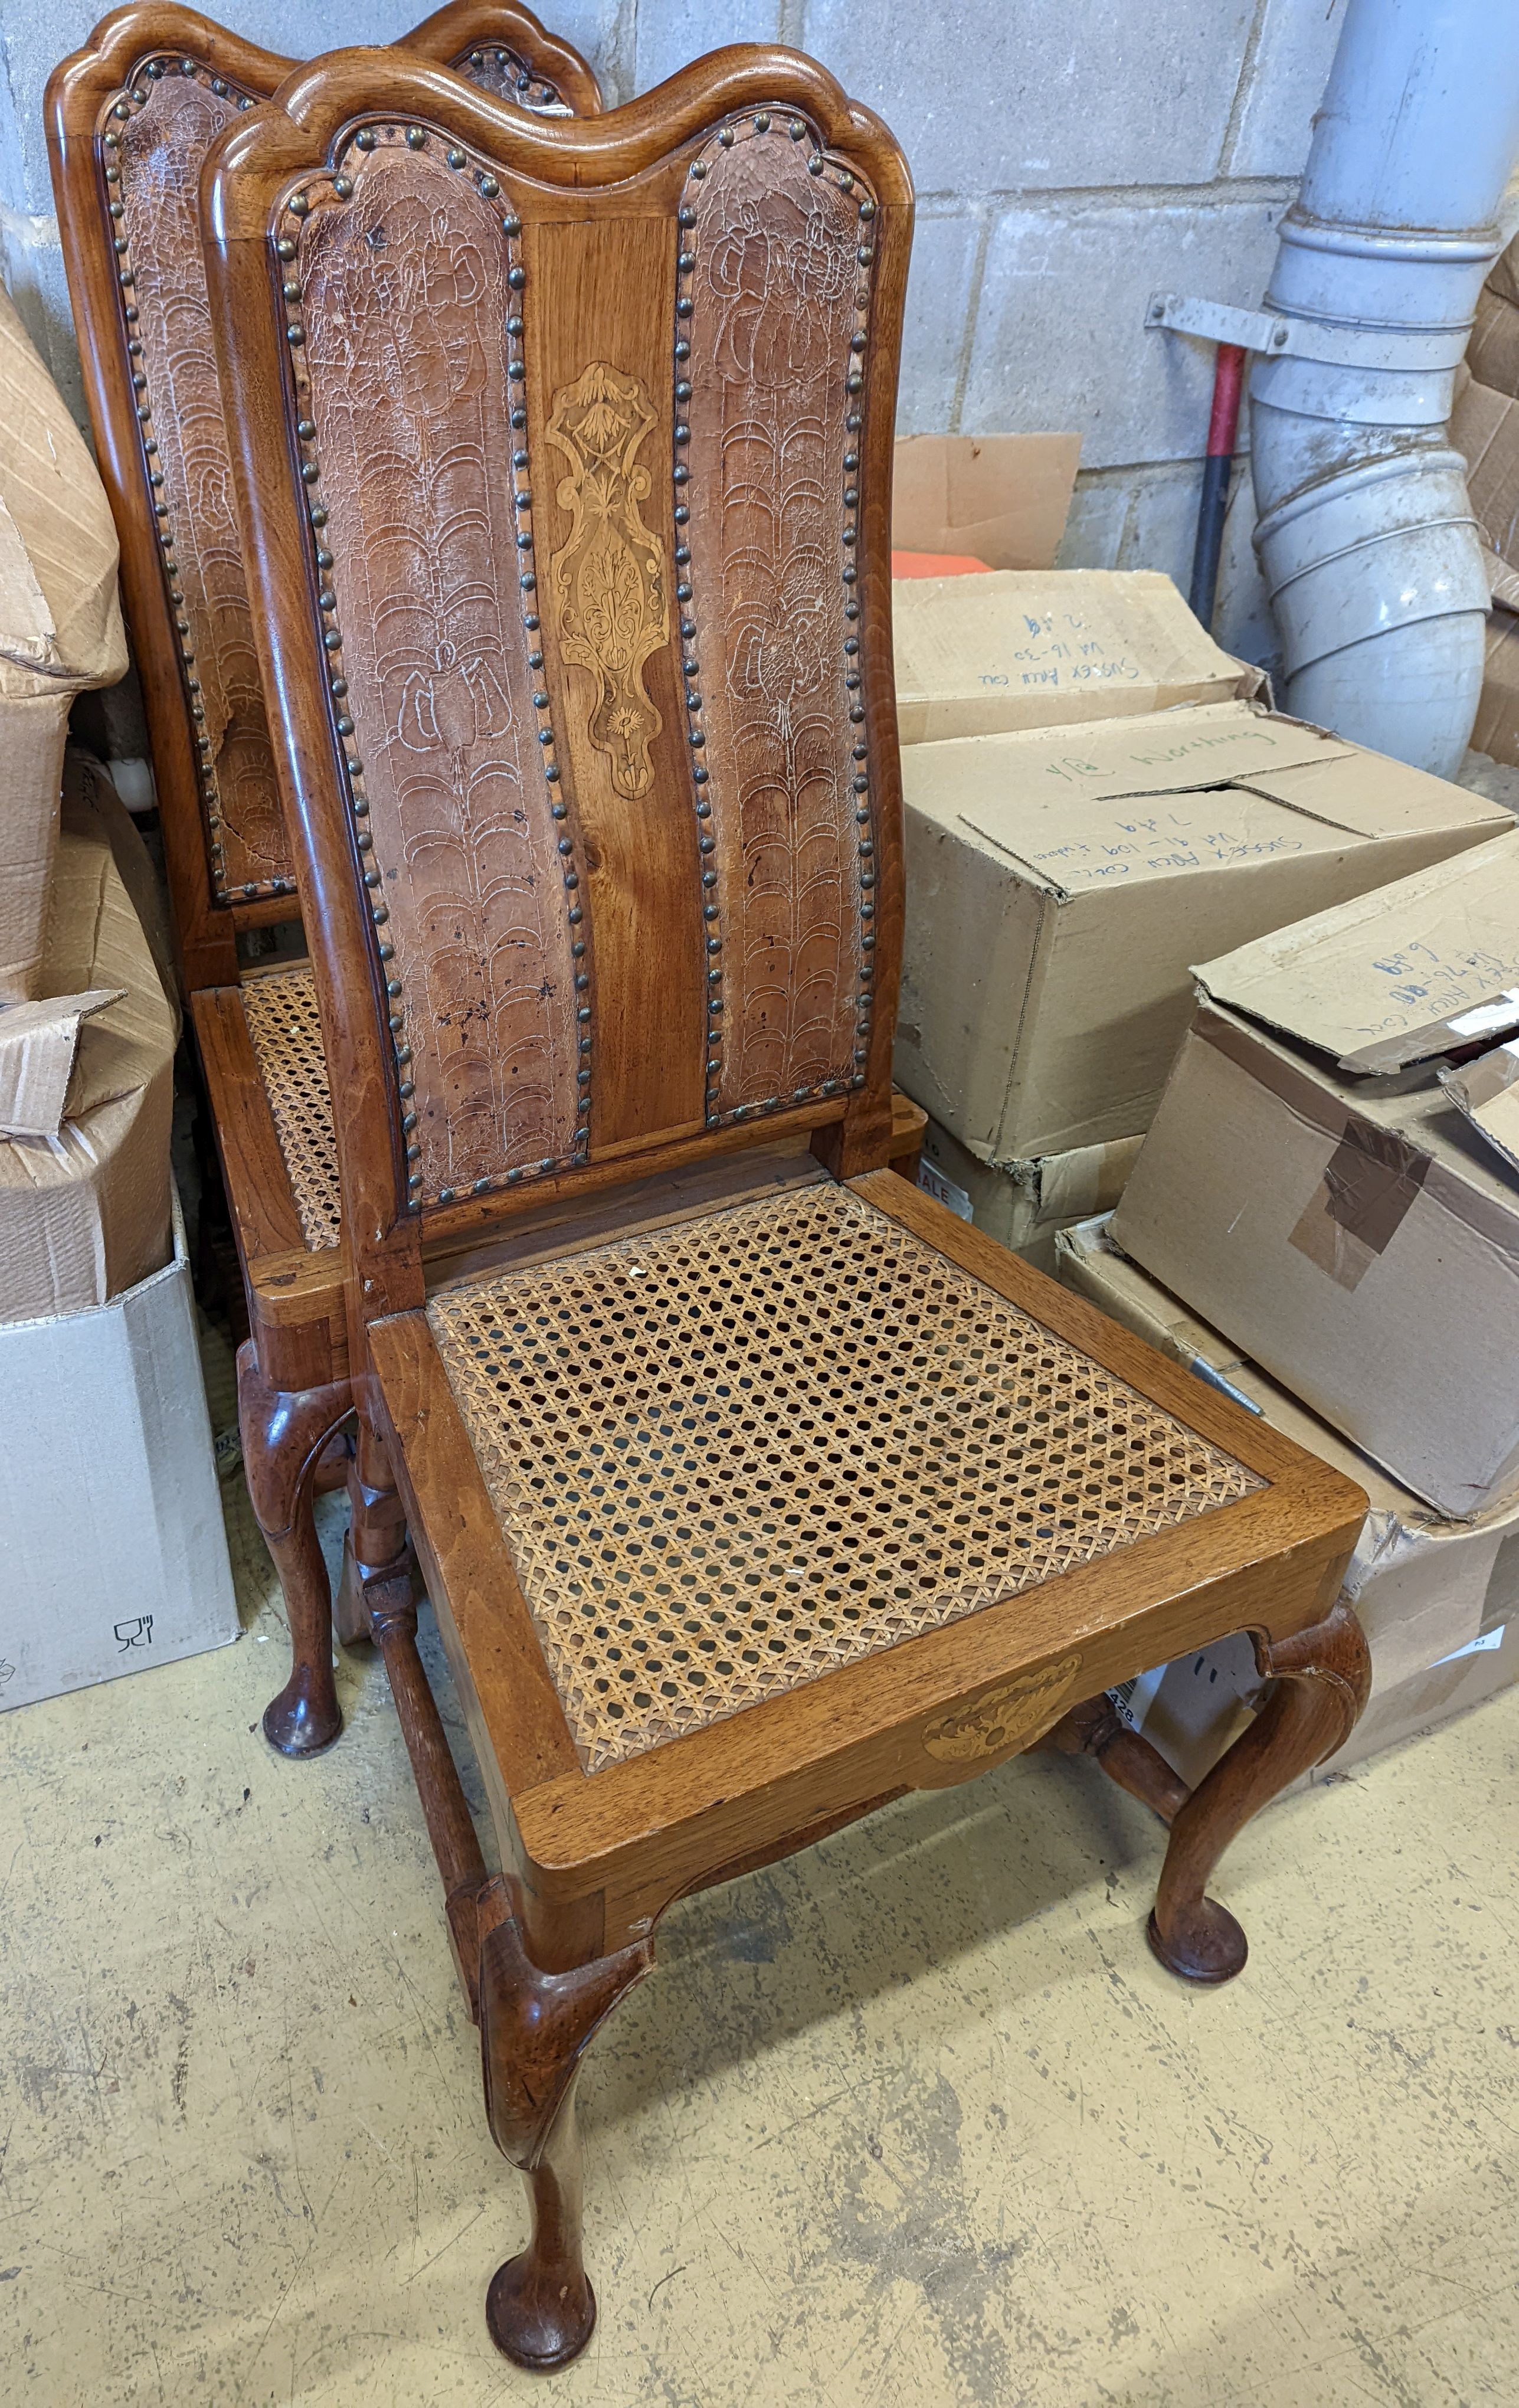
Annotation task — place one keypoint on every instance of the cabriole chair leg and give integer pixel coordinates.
(534, 2030)
(285, 1432)
(1323, 1677)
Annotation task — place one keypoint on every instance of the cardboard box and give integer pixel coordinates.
(1484, 428)
(38, 1046)
(1503, 579)
(1002, 500)
(60, 631)
(1193, 1708)
(85, 1213)
(1024, 1205)
(115, 1555)
(1403, 975)
(1497, 731)
(1061, 883)
(1438, 1600)
(1354, 1235)
(88, 788)
(1493, 351)
(977, 655)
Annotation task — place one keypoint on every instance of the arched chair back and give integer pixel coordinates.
(565, 454)
(129, 119)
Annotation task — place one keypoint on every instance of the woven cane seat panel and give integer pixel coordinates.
(731, 1455)
(281, 1010)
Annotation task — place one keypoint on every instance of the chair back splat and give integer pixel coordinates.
(129, 119)
(565, 459)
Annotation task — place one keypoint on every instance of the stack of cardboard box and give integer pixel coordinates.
(114, 1548)
(1438, 1597)
(1097, 797)
(1325, 1219)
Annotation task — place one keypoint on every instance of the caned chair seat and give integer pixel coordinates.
(285, 1031)
(730, 1456)
(743, 1518)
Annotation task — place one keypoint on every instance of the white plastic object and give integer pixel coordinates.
(1365, 534)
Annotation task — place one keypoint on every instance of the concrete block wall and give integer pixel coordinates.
(1069, 160)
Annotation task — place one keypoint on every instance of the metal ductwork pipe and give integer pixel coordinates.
(1365, 534)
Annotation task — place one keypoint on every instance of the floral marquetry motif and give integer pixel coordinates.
(1002, 1718)
(773, 284)
(611, 577)
(406, 341)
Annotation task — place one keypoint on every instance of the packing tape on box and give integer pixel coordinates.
(1368, 1184)
(1489, 1219)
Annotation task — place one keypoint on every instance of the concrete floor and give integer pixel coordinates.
(913, 2119)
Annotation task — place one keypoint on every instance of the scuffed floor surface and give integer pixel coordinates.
(912, 2120)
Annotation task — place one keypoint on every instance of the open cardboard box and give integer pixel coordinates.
(1487, 1091)
(1439, 1600)
(84, 1209)
(999, 499)
(1030, 645)
(1061, 881)
(1349, 1228)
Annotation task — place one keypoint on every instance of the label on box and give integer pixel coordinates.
(1481, 1645)
(943, 1190)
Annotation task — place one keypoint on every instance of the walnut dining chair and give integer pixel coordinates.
(751, 1487)
(130, 118)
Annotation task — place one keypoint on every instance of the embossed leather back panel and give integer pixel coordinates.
(189, 466)
(408, 381)
(774, 299)
(159, 129)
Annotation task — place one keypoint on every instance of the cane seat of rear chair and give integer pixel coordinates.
(285, 1032)
(729, 1456)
